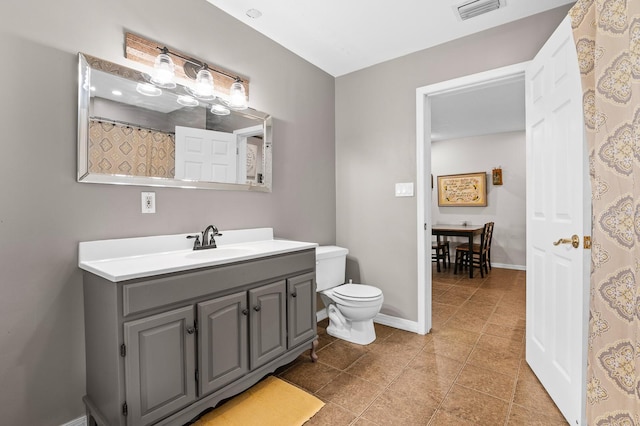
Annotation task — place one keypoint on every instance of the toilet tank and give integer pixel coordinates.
(331, 262)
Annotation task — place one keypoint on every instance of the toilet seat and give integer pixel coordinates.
(357, 292)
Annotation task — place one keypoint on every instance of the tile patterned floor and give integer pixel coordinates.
(470, 370)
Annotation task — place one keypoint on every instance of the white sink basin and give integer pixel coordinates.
(130, 258)
(220, 253)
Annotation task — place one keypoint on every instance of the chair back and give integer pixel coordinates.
(487, 235)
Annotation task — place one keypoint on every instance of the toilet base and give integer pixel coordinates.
(358, 332)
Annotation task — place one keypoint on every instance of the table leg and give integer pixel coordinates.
(470, 256)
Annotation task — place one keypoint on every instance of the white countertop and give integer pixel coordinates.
(128, 258)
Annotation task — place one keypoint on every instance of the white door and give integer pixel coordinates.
(205, 155)
(558, 206)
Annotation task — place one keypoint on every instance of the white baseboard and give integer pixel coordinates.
(505, 266)
(383, 319)
(80, 421)
(395, 322)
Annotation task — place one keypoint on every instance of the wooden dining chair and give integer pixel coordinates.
(440, 252)
(480, 257)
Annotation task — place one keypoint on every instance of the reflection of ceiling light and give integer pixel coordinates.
(254, 13)
(93, 88)
(218, 109)
(148, 89)
(116, 93)
(187, 101)
(164, 74)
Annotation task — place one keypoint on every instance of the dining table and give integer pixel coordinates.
(468, 231)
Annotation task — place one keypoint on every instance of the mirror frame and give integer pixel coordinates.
(85, 64)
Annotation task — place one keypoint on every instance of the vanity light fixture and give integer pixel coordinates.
(164, 70)
(164, 76)
(237, 96)
(203, 88)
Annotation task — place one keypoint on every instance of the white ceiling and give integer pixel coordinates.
(342, 36)
(481, 110)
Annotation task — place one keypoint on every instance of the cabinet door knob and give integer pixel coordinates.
(294, 294)
(191, 330)
(256, 308)
(245, 312)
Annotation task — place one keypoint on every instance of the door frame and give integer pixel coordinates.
(423, 172)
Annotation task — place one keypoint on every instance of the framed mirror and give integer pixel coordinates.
(133, 133)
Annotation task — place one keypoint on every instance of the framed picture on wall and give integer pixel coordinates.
(463, 190)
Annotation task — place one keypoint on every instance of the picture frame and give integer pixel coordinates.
(463, 190)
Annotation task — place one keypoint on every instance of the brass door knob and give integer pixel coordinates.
(574, 241)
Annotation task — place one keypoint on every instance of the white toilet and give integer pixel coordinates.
(350, 307)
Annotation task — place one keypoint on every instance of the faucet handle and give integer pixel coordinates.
(196, 243)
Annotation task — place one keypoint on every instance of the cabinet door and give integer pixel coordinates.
(159, 365)
(222, 339)
(268, 311)
(302, 308)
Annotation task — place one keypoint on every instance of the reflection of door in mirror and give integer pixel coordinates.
(205, 155)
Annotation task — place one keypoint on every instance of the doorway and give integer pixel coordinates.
(424, 99)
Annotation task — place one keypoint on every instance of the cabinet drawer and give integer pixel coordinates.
(142, 295)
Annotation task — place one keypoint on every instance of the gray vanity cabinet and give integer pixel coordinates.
(302, 308)
(159, 364)
(222, 341)
(162, 349)
(268, 322)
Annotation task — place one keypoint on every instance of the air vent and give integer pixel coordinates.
(477, 7)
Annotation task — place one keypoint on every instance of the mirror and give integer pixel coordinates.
(133, 133)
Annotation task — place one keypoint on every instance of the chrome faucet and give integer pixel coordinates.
(208, 238)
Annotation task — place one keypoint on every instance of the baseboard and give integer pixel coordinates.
(505, 266)
(80, 421)
(395, 322)
(321, 314)
(383, 319)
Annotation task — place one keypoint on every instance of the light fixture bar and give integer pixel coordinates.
(476, 8)
(145, 51)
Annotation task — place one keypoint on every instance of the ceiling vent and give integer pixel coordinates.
(471, 9)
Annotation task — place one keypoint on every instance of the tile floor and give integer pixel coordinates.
(470, 370)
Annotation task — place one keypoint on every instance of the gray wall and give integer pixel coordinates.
(376, 147)
(44, 212)
(505, 203)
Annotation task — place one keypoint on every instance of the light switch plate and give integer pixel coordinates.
(404, 189)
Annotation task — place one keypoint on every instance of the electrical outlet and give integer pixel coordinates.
(148, 202)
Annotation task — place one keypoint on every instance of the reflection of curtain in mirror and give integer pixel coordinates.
(124, 150)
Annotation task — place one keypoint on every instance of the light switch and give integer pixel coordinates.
(404, 189)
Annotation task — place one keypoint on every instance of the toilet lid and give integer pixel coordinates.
(358, 291)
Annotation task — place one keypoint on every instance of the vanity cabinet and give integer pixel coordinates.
(162, 349)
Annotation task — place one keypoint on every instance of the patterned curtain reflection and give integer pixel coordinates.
(607, 37)
(120, 149)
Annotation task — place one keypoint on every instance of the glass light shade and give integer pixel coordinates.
(237, 96)
(204, 85)
(218, 109)
(164, 72)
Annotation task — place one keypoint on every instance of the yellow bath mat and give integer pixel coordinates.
(270, 402)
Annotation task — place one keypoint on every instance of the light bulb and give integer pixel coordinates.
(204, 84)
(164, 73)
(237, 96)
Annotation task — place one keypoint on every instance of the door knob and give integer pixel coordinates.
(256, 308)
(191, 330)
(245, 312)
(574, 241)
